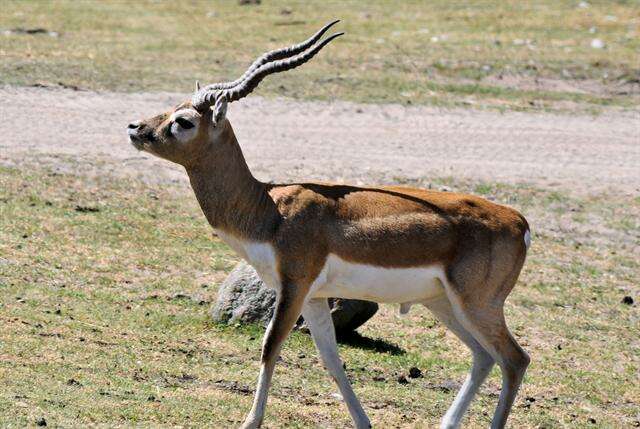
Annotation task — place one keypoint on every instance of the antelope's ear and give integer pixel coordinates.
(219, 109)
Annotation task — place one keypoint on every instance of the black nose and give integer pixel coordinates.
(134, 125)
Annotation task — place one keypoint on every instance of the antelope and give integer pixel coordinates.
(458, 255)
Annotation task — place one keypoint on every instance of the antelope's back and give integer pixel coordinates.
(394, 226)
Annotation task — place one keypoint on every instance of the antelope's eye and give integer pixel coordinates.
(184, 124)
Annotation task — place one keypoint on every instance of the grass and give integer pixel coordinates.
(105, 285)
(490, 53)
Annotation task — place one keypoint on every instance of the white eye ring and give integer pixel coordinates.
(176, 129)
(180, 121)
(183, 134)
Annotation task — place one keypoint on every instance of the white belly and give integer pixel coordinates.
(342, 279)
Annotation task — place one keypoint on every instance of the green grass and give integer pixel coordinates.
(105, 286)
(485, 53)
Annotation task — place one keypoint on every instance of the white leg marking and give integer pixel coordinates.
(511, 376)
(255, 416)
(482, 363)
(318, 317)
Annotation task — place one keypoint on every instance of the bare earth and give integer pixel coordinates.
(288, 140)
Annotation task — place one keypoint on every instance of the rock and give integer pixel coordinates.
(243, 298)
(349, 314)
(41, 422)
(415, 372)
(627, 300)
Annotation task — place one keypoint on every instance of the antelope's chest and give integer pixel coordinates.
(260, 255)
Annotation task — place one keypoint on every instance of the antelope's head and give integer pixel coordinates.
(197, 125)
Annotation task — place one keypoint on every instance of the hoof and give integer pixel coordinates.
(250, 424)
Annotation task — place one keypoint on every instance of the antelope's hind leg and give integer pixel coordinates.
(318, 317)
(489, 328)
(481, 313)
(482, 363)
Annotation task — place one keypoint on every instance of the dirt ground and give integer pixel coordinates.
(288, 140)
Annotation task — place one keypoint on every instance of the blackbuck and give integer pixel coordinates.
(458, 255)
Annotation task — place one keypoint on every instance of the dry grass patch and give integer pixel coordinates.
(501, 54)
(105, 286)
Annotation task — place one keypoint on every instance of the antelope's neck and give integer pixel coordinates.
(234, 202)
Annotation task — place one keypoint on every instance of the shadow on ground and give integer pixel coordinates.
(354, 339)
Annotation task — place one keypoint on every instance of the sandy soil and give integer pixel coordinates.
(291, 140)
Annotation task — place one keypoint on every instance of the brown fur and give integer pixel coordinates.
(386, 226)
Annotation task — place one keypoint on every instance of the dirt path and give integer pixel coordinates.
(290, 140)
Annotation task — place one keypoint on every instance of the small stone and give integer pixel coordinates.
(379, 378)
(337, 396)
(41, 422)
(73, 382)
(301, 356)
(597, 44)
(627, 300)
(402, 379)
(86, 209)
(415, 372)
(592, 420)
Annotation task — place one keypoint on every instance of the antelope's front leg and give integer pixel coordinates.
(287, 310)
(317, 315)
